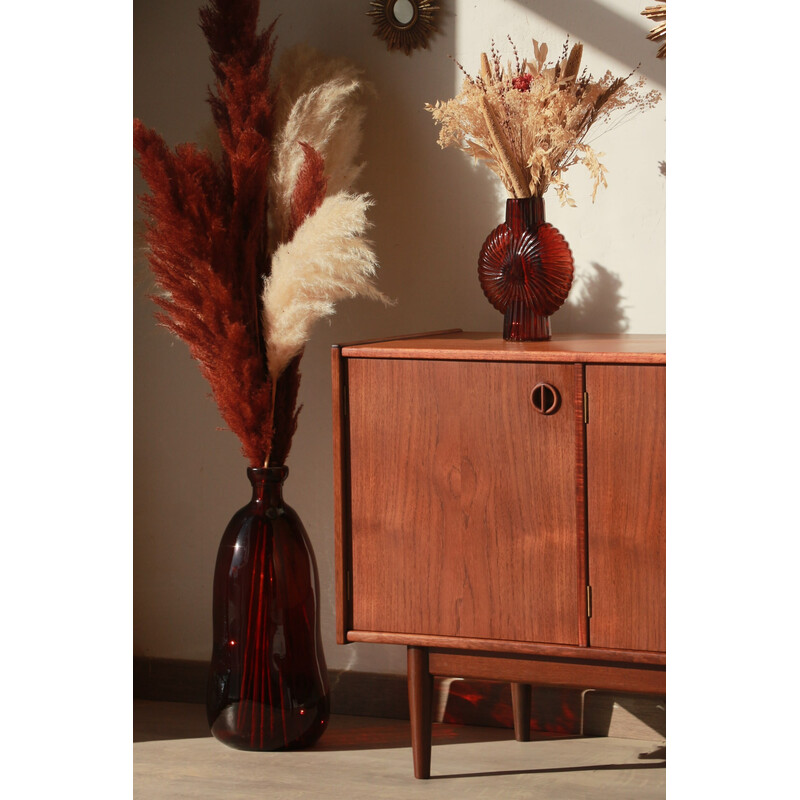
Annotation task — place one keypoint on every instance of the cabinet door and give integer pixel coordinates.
(625, 458)
(463, 508)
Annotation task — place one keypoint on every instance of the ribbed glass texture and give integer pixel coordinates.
(526, 269)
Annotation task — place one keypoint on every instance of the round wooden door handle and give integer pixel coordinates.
(545, 398)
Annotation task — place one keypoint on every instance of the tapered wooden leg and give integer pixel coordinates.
(420, 691)
(521, 705)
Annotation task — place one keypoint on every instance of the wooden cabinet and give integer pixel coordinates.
(625, 472)
(500, 511)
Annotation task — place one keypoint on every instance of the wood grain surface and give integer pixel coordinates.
(557, 651)
(341, 494)
(626, 480)
(586, 674)
(462, 496)
(576, 348)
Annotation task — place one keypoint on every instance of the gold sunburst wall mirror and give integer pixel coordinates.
(403, 24)
(658, 33)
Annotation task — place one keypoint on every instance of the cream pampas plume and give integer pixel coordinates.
(303, 68)
(327, 116)
(327, 260)
(317, 251)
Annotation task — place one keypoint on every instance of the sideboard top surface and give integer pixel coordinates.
(471, 346)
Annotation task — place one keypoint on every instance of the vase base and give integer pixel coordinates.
(275, 728)
(523, 325)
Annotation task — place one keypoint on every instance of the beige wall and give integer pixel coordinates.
(433, 209)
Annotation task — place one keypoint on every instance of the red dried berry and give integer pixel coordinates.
(522, 82)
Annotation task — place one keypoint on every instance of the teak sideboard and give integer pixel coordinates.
(500, 510)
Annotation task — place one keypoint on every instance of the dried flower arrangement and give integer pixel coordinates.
(528, 122)
(249, 250)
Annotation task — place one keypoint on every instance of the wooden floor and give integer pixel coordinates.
(361, 757)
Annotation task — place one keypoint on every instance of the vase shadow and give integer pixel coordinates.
(596, 304)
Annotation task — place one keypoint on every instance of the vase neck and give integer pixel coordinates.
(526, 212)
(267, 484)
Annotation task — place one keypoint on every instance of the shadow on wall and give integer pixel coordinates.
(593, 23)
(433, 207)
(595, 304)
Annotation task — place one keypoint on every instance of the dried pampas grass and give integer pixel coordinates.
(326, 116)
(302, 68)
(206, 228)
(250, 246)
(318, 251)
(327, 260)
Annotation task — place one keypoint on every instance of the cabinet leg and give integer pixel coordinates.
(521, 705)
(420, 691)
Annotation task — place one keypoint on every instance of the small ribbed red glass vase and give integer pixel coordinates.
(526, 269)
(268, 682)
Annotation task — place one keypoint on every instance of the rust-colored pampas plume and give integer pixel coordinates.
(188, 216)
(206, 233)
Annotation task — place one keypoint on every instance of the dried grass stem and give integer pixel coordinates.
(504, 154)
